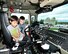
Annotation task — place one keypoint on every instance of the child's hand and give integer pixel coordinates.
(15, 39)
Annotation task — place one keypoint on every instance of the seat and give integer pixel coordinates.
(0, 32)
(7, 38)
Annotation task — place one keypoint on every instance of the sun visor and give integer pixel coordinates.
(51, 2)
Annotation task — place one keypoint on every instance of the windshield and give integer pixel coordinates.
(58, 18)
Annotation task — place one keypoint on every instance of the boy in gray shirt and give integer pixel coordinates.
(22, 25)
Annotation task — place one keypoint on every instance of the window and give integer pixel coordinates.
(59, 16)
(27, 16)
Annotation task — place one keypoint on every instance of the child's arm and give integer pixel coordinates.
(21, 35)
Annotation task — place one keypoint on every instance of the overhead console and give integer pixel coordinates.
(48, 5)
(50, 2)
(47, 8)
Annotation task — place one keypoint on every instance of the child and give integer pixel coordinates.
(22, 24)
(14, 29)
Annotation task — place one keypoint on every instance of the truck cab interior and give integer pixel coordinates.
(57, 41)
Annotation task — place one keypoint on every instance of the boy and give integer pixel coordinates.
(14, 29)
(22, 24)
(22, 27)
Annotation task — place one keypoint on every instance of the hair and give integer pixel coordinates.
(22, 17)
(14, 17)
